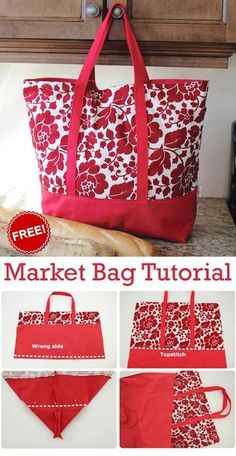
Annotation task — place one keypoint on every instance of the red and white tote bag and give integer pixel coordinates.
(125, 157)
(177, 334)
(56, 398)
(168, 410)
(59, 335)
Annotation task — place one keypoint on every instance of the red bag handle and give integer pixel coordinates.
(192, 320)
(60, 293)
(222, 413)
(140, 77)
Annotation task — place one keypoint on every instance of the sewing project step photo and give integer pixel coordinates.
(52, 407)
(184, 409)
(177, 330)
(52, 335)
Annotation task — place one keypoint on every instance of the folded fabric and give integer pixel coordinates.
(59, 335)
(168, 410)
(56, 397)
(177, 334)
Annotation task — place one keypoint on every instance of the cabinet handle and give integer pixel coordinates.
(92, 10)
(117, 12)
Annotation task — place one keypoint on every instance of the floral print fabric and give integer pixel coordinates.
(57, 318)
(107, 145)
(197, 435)
(146, 332)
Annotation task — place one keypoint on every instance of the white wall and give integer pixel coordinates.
(15, 143)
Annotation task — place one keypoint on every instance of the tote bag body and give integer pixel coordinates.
(125, 157)
(177, 334)
(59, 335)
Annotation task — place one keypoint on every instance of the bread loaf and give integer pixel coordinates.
(69, 238)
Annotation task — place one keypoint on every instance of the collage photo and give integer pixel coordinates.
(117, 225)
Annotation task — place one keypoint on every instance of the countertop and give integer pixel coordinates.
(214, 233)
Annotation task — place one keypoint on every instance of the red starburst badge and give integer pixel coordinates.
(28, 232)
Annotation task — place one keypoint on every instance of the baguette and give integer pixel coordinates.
(68, 236)
(57, 246)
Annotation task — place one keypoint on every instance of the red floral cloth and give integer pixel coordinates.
(146, 332)
(107, 146)
(196, 435)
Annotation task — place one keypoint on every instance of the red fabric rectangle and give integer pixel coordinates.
(146, 402)
(170, 218)
(142, 358)
(59, 341)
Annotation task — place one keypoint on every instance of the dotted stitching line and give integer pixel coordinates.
(57, 356)
(55, 405)
(175, 349)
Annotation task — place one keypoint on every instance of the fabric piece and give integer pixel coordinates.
(149, 412)
(30, 317)
(146, 405)
(196, 435)
(146, 349)
(57, 399)
(59, 335)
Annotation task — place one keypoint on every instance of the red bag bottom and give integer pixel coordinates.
(171, 218)
(183, 358)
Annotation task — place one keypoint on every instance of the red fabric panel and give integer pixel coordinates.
(78, 340)
(170, 218)
(187, 358)
(146, 410)
(57, 390)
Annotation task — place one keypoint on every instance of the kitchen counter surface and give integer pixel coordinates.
(214, 233)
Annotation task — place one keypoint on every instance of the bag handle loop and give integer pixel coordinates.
(60, 293)
(192, 320)
(140, 77)
(222, 413)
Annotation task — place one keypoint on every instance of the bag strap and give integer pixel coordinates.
(140, 77)
(222, 413)
(163, 319)
(60, 293)
(192, 320)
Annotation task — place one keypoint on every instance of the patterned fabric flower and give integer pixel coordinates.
(183, 176)
(90, 181)
(46, 91)
(30, 93)
(148, 322)
(213, 340)
(44, 131)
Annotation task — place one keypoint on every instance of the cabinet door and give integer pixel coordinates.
(48, 19)
(181, 20)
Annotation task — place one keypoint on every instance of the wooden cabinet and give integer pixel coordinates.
(171, 32)
(48, 19)
(183, 32)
